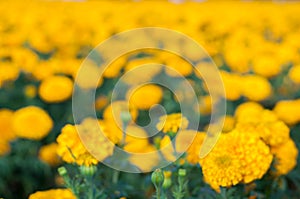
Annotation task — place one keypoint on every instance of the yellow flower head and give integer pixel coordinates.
(231, 83)
(294, 74)
(266, 65)
(285, 157)
(237, 157)
(145, 96)
(49, 155)
(71, 148)
(53, 194)
(247, 111)
(255, 87)
(6, 117)
(176, 66)
(32, 122)
(288, 111)
(172, 123)
(56, 89)
(30, 91)
(8, 72)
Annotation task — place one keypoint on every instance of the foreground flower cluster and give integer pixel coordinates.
(44, 154)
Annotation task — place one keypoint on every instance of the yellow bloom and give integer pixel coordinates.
(137, 73)
(255, 87)
(48, 154)
(288, 111)
(248, 111)
(237, 157)
(294, 74)
(101, 102)
(266, 65)
(8, 72)
(72, 150)
(232, 85)
(6, 129)
(30, 91)
(205, 105)
(55, 89)
(145, 96)
(172, 123)
(89, 76)
(53, 194)
(147, 161)
(32, 122)
(114, 69)
(285, 157)
(176, 66)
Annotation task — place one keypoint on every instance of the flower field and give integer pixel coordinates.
(149, 99)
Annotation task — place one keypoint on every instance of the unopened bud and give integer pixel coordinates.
(62, 171)
(182, 172)
(88, 170)
(157, 178)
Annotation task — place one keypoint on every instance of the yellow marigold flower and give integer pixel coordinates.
(273, 133)
(40, 42)
(237, 157)
(294, 74)
(248, 109)
(237, 59)
(255, 87)
(114, 69)
(30, 91)
(53, 194)
(145, 96)
(254, 113)
(55, 89)
(232, 85)
(8, 72)
(285, 157)
(139, 73)
(266, 65)
(93, 136)
(136, 139)
(111, 130)
(176, 66)
(147, 161)
(205, 105)
(194, 149)
(172, 123)
(288, 111)
(32, 122)
(71, 148)
(48, 154)
(6, 117)
(89, 75)
(101, 102)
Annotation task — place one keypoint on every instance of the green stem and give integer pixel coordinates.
(115, 177)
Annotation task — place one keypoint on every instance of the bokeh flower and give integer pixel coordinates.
(53, 194)
(32, 122)
(55, 89)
